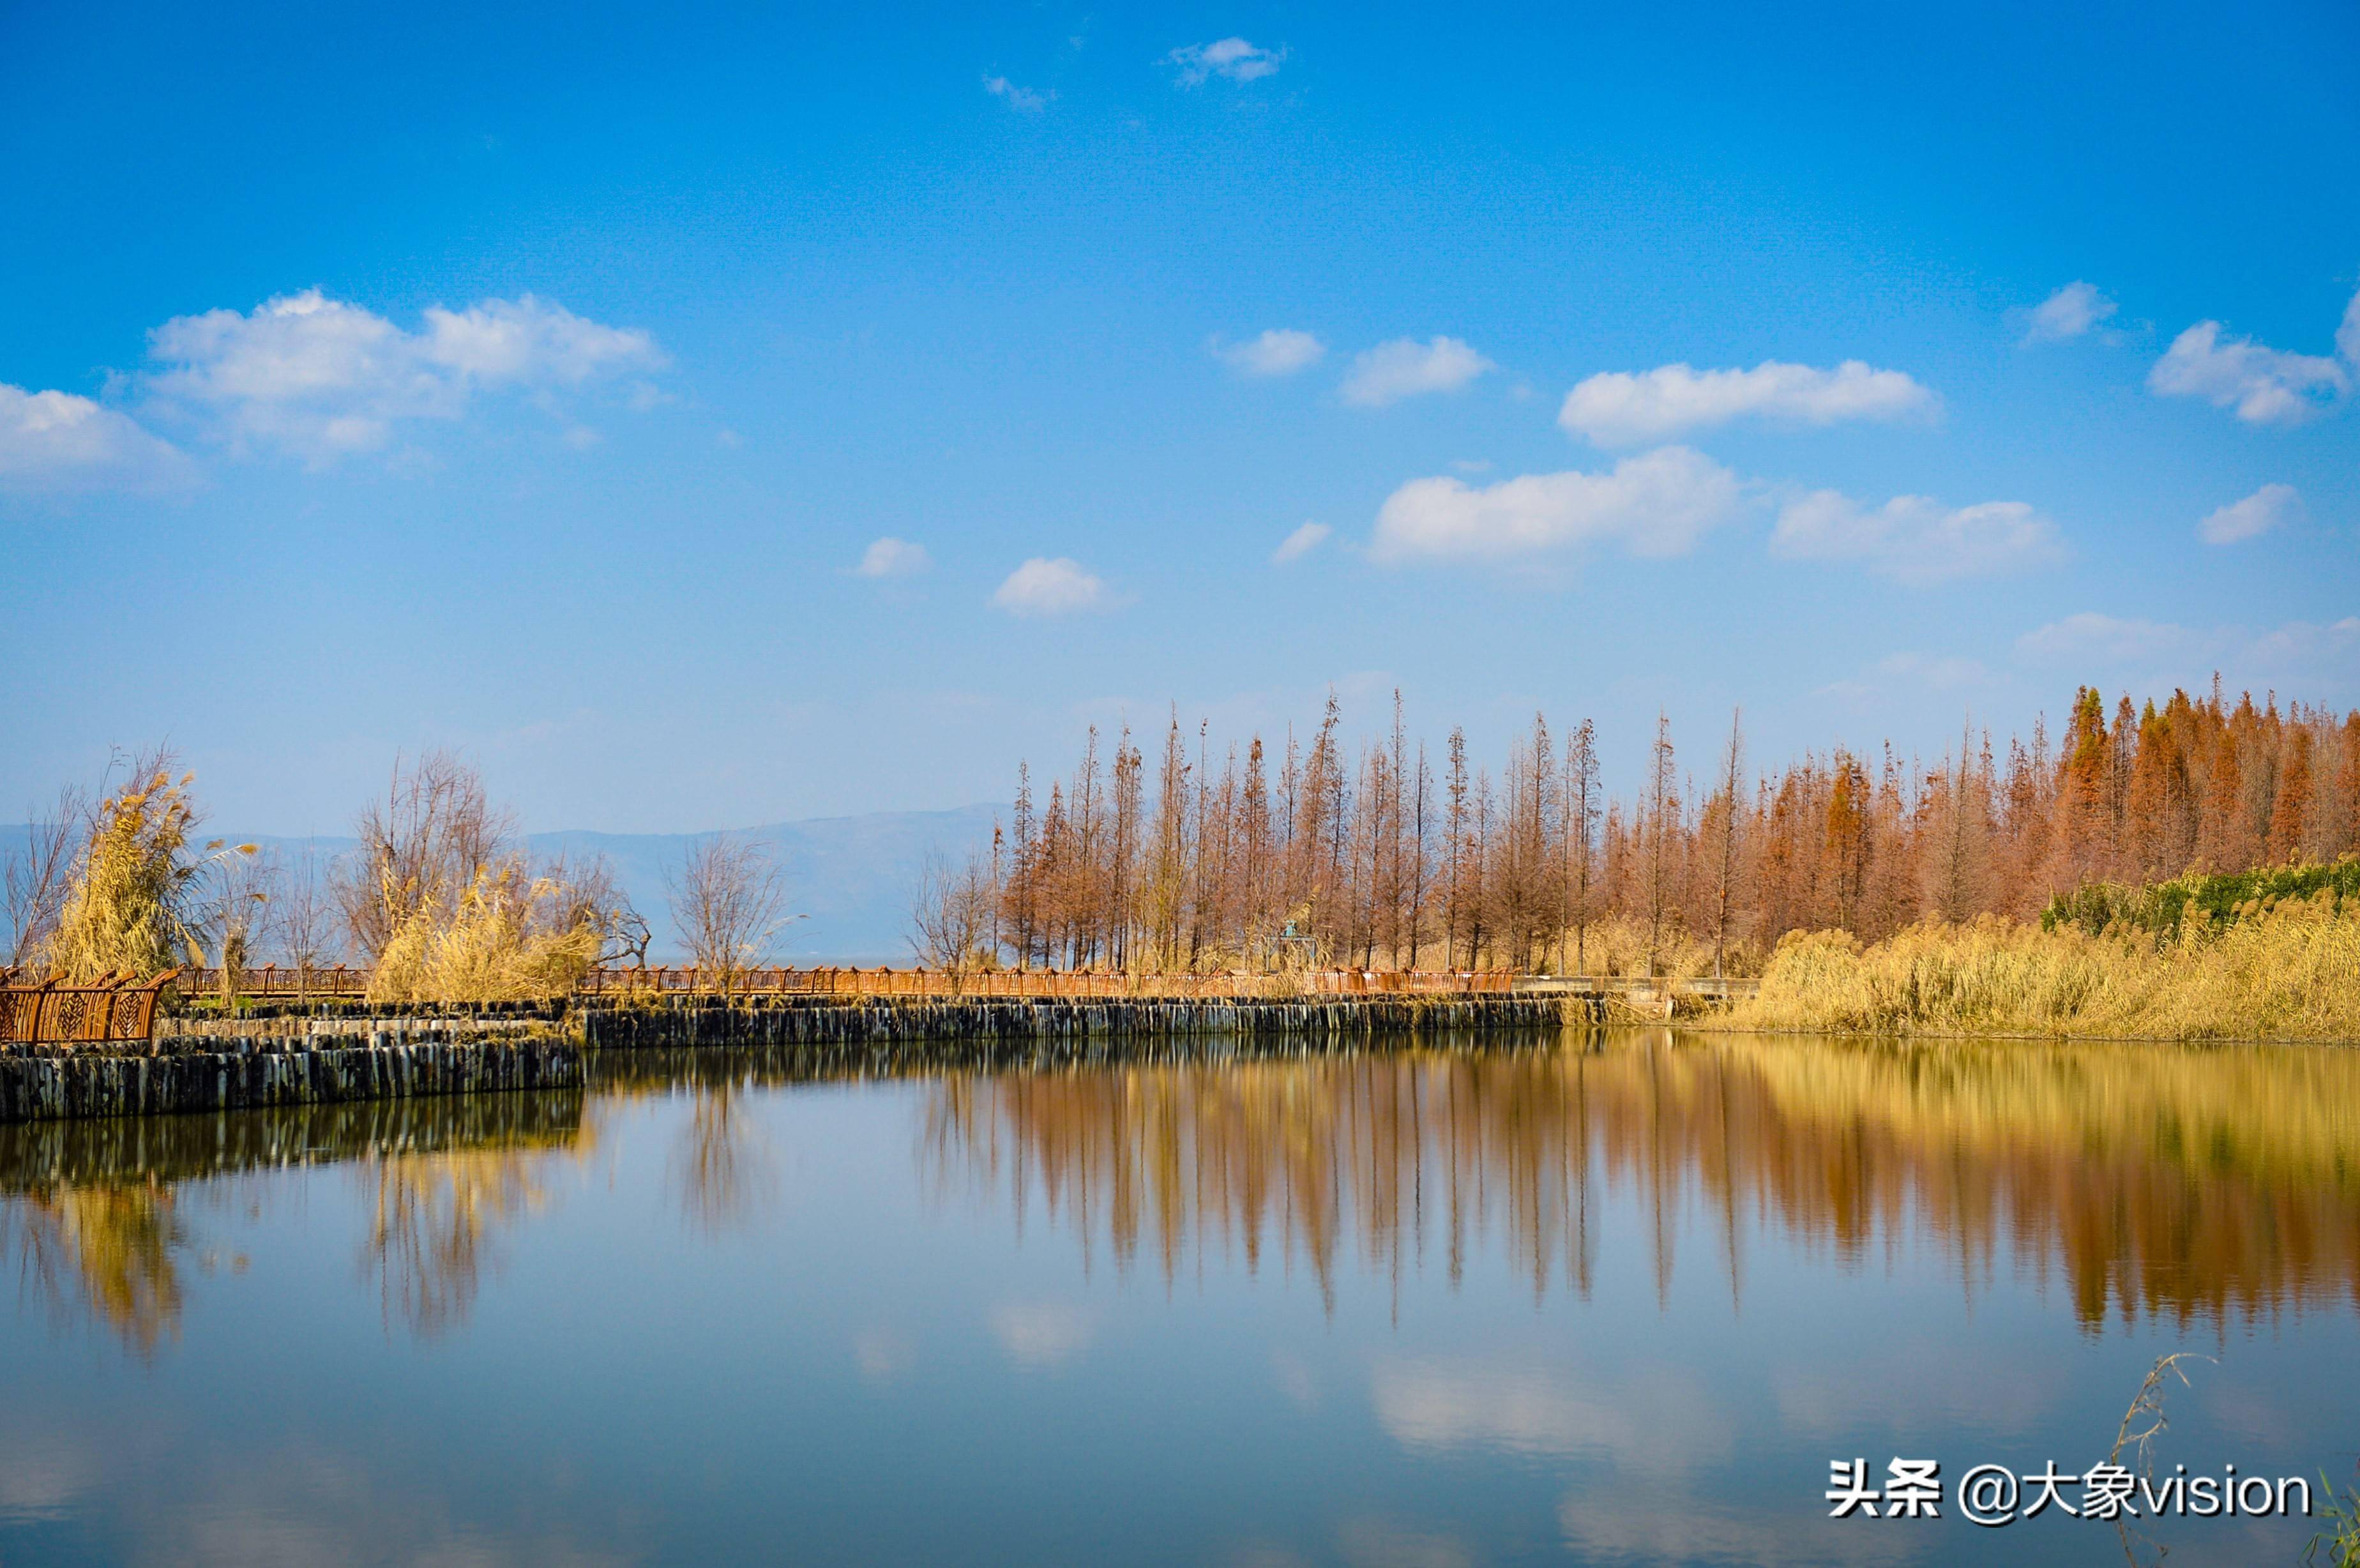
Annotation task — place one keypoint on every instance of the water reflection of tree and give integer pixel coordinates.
(109, 1252)
(96, 1213)
(721, 1168)
(436, 1223)
(2186, 1184)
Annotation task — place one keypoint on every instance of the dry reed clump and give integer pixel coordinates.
(2291, 971)
(127, 909)
(497, 944)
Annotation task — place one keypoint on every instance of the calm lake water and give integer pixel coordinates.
(1607, 1299)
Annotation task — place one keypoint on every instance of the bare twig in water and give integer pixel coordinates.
(2146, 1415)
(2148, 1407)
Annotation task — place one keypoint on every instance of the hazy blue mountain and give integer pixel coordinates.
(850, 877)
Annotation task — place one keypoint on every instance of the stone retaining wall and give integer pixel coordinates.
(34, 1088)
(679, 1021)
(338, 1054)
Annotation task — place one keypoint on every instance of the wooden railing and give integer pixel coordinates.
(111, 1011)
(115, 1010)
(271, 981)
(274, 983)
(1044, 984)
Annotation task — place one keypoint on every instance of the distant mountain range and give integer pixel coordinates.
(850, 877)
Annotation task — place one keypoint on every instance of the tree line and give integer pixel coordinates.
(1315, 853)
(1385, 856)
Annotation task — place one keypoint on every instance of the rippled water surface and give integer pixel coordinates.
(1600, 1299)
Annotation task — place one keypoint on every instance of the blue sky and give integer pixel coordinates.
(539, 384)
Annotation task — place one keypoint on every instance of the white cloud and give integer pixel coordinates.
(1053, 587)
(1912, 540)
(2263, 385)
(1300, 543)
(57, 442)
(1024, 100)
(2113, 638)
(322, 378)
(532, 342)
(2265, 509)
(1656, 504)
(1279, 351)
(2070, 312)
(1619, 408)
(1041, 1333)
(1910, 672)
(891, 556)
(1405, 368)
(2305, 645)
(2347, 336)
(1232, 58)
(2322, 659)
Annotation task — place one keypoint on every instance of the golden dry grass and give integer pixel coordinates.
(495, 945)
(2291, 971)
(124, 911)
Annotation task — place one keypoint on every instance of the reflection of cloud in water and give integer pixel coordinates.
(1654, 1424)
(1909, 1386)
(1042, 1334)
(882, 1355)
(1381, 1543)
(1616, 1523)
(1294, 1375)
(259, 1507)
(298, 1508)
(2244, 1412)
(39, 1475)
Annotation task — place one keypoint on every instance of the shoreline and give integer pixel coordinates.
(297, 1061)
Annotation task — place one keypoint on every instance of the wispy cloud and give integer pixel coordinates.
(1044, 586)
(2075, 310)
(1916, 673)
(1620, 408)
(2319, 658)
(891, 556)
(1406, 368)
(1656, 504)
(57, 441)
(1233, 58)
(1024, 100)
(2265, 385)
(1300, 543)
(322, 377)
(1912, 540)
(2265, 509)
(1281, 350)
(2113, 638)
